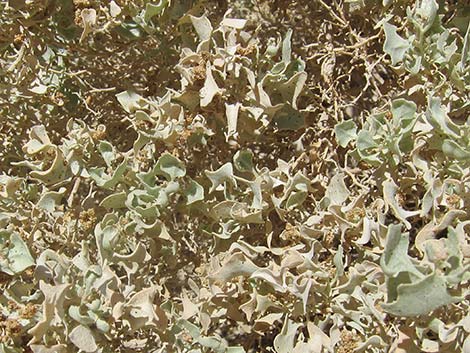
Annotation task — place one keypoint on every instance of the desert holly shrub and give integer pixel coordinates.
(177, 177)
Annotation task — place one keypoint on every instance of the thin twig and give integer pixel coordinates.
(332, 13)
(359, 44)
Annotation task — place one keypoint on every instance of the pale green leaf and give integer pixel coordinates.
(74, 313)
(107, 152)
(116, 200)
(367, 148)
(466, 48)
(453, 150)
(286, 47)
(194, 192)
(88, 17)
(394, 45)
(107, 181)
(233, 23)
(221, 175)
(18, 256)
(215, 344)
(170, 167)
(285, 340)
(241, 213)
(152, 10)
(51, 199)
(420, 298)
(395, 258)
(291, 89)
(243, 160)
(288, 118)
(56, 172)
(38, 140)
(235, 350)
(82, 337)
(437, 117)
(390, 191)
(427, 12)
(403, 111)
(114, 9)
(129, 100)
(210, 90)
(203, 27)
(337, 191)
(231, 112)
(345, 132)
(296, 199)
(236, 265)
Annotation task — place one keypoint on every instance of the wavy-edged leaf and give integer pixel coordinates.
(394, 45)
(16, 256)
(130, 101)
(221, 175)
(422, 297)
(210, 88)
(170, 167)
(285, 340)
(114, 201)
(243, 160)
(49, 200)
(437, 117)
(82, 337)
(395, 257)
(152, 10)
(390, 191)
(203, 27)
(345, 132)
(194, 192)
